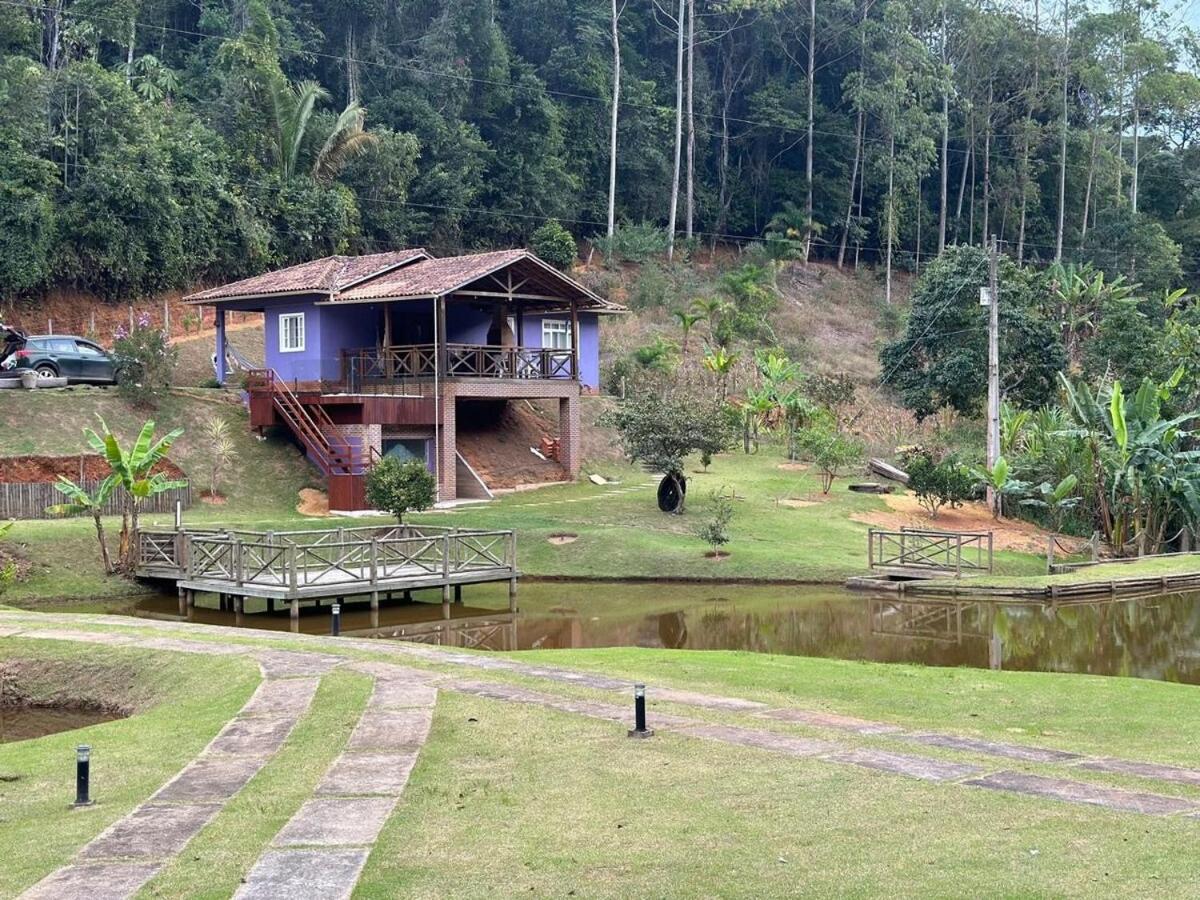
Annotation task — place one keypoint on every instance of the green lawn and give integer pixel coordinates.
(511, 800)
(181, 701)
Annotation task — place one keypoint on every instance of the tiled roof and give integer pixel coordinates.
(409, 273)
(326, 276)
(432, 277)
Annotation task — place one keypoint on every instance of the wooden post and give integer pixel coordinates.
(512, 594)
(1095, 546)
(295, 616)
(870, 548)
(1141, 543)
(375, 602)
(958, 557)
(574, 341)
(458, 594)
(238, 569)
(293, 575)
(1049, 554)
(182, 602)
(270, 604)
(446, 600)
(374, 571)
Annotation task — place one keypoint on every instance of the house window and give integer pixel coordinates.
(291, 333)
(556, 334)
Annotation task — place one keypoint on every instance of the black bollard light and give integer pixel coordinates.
(83, 765)
(639, 729)
(337, 619)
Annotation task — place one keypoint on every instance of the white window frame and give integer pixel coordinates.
(557, 327)
(285, 319)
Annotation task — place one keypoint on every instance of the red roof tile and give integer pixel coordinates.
(325, 276)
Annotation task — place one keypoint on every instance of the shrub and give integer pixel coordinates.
(400, 487)
(145, 362)
(830, 451)
(714, 531)
(632, 243)
(220, 443)
(554, 244)
(938, 482)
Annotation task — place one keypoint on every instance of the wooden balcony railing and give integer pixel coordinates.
(420, 361)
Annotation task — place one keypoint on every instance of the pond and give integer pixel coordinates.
(1156, 637)
(20, 723)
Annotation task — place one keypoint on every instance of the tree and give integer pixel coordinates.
(554, 244)
(133, 472)
(144, 361)
(400, 487)
(292, 106)
(80, 501)
(830, 451)
(1002, 482)
(941, 358)
(222, 449)
(687, 321)
(1056, 499)
(937, 483)
(714, 531)
(661, 431)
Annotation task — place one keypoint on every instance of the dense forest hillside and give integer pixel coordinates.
(154, 144)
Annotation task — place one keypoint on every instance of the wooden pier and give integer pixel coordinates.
(328, 564)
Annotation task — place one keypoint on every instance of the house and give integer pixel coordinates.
(380, 355)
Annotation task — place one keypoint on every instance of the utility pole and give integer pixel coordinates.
(993, 394)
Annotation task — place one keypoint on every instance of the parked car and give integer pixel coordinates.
(56, 355)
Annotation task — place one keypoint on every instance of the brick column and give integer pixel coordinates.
(448, 447)
(568, 435)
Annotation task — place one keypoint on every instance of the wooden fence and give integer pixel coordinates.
(920, 548)
(29, 500)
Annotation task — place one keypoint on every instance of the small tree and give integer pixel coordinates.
(554, 244)
(80, 501)
(133, 470)
(714, 531)
(938, 483)
(660, 432)
(224, 451)
(400, 487)
(145, 362)
(830, 451)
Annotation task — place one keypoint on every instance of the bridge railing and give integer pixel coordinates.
(930, 550)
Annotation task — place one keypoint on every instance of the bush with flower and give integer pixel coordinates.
(145, 361)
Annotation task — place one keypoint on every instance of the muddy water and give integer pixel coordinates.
(20, 723)
(1156, 638)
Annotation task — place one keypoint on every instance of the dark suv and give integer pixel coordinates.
(54, 355)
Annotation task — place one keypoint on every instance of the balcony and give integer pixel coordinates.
(374, 368)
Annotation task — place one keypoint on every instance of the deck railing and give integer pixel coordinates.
(389, 365)
(920, 548)
(357, 558)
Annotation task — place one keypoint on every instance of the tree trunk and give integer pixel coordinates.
(612, 130)
(891, 210)
(944, 195)
(351, 66)
(690, 211)
(108, 568)
(1137, 122)
(1062, 149)
(1028, 129)
(1087, 194)
(129, 51)
(808, 154)
(962, 182)
(858, 139)
(678, 130)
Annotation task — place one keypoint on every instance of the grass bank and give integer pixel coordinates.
(179, 703)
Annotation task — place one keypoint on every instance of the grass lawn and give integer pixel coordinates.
(515, 800)
(1104, 572)
(181, 702)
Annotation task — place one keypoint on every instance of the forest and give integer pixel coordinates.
(154, 144)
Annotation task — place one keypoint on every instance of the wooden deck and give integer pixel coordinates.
(297, 566)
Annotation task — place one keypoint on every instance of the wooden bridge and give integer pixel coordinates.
(296, 566)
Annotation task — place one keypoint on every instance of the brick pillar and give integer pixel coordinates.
(448, 447)
(568, 435)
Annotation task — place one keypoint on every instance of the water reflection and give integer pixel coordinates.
(1152, 637)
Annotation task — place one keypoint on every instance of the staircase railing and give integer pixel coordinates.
(331, 449)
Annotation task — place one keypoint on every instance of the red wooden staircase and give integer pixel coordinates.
(332, 451)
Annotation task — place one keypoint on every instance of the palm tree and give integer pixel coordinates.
(687, 321)
(721, 362)
(713, 309)
(292, 106)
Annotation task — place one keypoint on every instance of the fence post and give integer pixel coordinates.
(374, 562)
(1049, 554)
(1095, 546)
(958, 556)
(238, 570)
(293, 571)
(870, 548)
(512, 550)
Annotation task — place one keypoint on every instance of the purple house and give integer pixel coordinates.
(368, 356)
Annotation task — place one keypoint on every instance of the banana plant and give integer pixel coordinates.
(1056, 499)
(80, 501)
(133, 471)
(999, 479)
(720, 362)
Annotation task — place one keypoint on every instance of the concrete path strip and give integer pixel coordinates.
(321, 851)
(1081, 792)
(118, 862)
